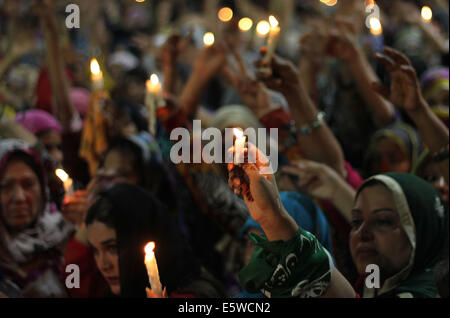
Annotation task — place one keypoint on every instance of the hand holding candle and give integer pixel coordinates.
(152, 270)
(68, 182)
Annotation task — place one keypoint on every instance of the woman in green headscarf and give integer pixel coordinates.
(400, 223)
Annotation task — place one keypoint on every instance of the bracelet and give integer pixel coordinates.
(441, 155)
(309, 128)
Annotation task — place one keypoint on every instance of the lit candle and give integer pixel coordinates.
(427, 14)
(245, 24)
(152, 269)
(152, 100)
(96, 75)
(208, 39)
(262, 28)
(272, 41)
(225, 14)
(239, 146)
(68, 182)
(375, 26)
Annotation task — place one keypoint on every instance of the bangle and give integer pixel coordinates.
(442, 155)
(309, 128)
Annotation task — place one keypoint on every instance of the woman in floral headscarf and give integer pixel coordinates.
(31, 237)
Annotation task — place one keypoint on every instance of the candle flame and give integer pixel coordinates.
(61, 174)
(245, 24)
(149, 248)
(95, 67)
(154, 79)
(208, 39)
(375, 26)
(427, 14)
(273, 21)
(238, 132)
(263, 28)
(225, 14)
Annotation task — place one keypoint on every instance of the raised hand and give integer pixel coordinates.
(405, 91)
(74, 209)
(254, 94)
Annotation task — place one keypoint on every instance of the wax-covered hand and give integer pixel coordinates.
(152, 294)
(256, 183)
(405, 91)
(74, 209)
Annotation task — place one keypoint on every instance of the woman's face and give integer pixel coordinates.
(20, 194)
(377, 236)
(102, 240)
(392, 157)
(117, 168)
(52, 142)
(433, 176)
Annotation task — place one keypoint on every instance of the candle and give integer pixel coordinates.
(239, 146)
(245, 24)
(375, 26)
(152, 269)
(96, 75)
(152, 100)
(68, 182)
(225, 14)
(427, 14)
(272, 41)
(208, 39)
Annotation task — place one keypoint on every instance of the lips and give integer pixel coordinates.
(365, 252)
(112, 280)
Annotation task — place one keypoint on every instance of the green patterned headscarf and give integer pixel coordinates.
(424, 218)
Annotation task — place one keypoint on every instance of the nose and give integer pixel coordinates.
(364, 232)
(19, 194)
(103, 263)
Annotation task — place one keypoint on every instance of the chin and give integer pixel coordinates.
(115, 290)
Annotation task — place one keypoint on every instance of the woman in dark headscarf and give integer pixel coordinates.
(393, 149)
(120, 224)
(32, 238)
(400, 223)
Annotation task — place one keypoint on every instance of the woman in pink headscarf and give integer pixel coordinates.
(46, 128)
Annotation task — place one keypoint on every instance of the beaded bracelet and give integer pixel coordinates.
(309, 128)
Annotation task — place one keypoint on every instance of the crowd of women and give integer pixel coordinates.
(362, 115)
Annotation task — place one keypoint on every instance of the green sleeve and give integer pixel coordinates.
(300, 267)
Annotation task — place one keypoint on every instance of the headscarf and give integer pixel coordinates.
(305, 213)
(80, 99)
(38, 121)
(424, 217)
(434, 80)
(41, 239)
(138, 217)
(405, 136)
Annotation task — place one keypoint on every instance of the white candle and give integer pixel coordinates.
(272, 41)
(239, 146)
(96, 75)
(208, 39)
(152, 269)
(152, 100)
(68, 182)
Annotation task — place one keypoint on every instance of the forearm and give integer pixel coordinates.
(279, 226)
(192, 93)
(170, 79)
(339, 287)
(434, 133)
(320, 145)
(363, 74)
(343, 199)
(60, 87)
(433, 36)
